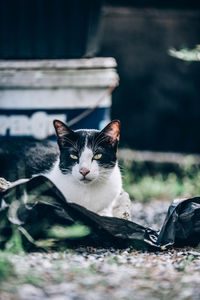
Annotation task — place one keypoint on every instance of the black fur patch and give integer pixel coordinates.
(24, 157)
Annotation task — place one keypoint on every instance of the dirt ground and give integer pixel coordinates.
(105, 274)
(90, 273)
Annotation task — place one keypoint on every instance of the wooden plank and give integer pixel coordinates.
(90, 63)
(57, 78)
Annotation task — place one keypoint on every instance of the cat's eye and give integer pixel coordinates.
(73, 156)
(97, 156)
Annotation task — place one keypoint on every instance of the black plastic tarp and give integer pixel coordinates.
(34, 206)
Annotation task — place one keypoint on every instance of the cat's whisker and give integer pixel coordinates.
(99, 142)
(121, 167)
(104, 175)
(100, 137)
(70, 142)
(93, 142)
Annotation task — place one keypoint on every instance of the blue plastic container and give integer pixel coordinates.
(34, 93)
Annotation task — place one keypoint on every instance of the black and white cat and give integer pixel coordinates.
(84, 166)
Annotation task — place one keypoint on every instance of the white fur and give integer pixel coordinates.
(98, 194)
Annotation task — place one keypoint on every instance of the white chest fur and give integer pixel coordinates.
(96, 196)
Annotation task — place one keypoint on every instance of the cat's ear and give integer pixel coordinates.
(61, 128)
(112, 130)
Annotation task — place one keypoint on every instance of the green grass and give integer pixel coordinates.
(184, 263)
(6, 267)
(14, 244)
(74, 231)
(147, 181)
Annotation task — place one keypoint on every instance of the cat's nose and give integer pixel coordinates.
(84, 171)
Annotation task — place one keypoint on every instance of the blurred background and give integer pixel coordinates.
(158, 98)
(63, 59)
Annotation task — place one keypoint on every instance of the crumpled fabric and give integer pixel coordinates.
(34, 206)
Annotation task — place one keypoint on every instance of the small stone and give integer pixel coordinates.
(30, 292)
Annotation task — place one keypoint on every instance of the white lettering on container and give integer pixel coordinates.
(39, 125)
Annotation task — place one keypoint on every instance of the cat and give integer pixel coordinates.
(83, 166)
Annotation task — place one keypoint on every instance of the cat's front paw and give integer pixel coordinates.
(4, 184)
(119, 208)
(122, 207)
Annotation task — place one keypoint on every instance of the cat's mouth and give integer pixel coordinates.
(86, 180)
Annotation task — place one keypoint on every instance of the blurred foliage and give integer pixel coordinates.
(14, 244)
(145, 181)
(184, 263)
(74, 231)
(6, 267)
(186, 54)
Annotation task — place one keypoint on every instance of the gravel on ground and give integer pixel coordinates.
(91, 273)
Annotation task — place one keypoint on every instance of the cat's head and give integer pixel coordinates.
(88, 155)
